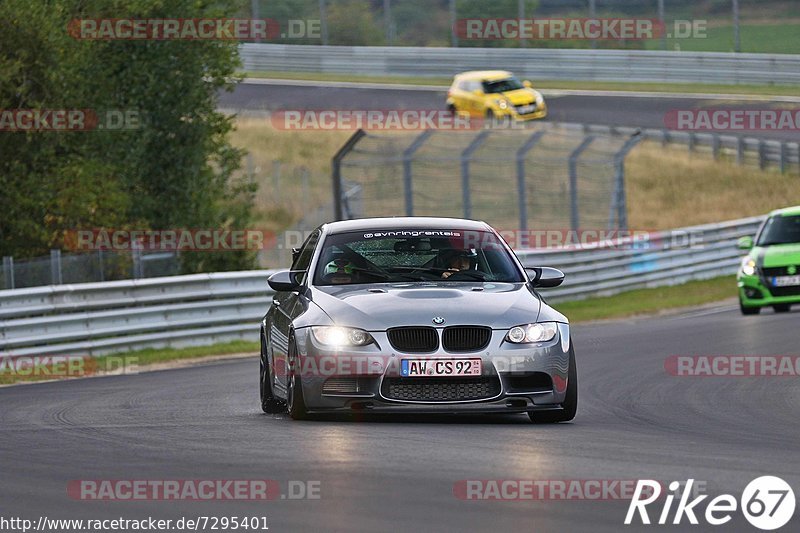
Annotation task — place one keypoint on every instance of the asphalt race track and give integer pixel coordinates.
(594, 108)
(635, 421)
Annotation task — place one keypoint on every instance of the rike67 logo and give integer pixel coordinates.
(767, 502)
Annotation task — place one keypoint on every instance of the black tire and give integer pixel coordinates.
(452, 109)
(295, 402)
(570, 405)
(782, 308)
(748, 310)
(269, 403)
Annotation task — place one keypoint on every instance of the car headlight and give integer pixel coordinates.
(539, 100)
(502, 104)
(340, 336)
(528, 333)
(748, 266)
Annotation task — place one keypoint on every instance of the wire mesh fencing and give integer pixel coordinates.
(545, 176)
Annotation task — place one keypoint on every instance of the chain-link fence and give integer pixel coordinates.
(544, 176)
(59, 268)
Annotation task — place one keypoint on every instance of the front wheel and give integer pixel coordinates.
(748, 310)
(269, 403)
(294, 387)
(570, 405)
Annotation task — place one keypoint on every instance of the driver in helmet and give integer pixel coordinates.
(458, 262)
(339, 271)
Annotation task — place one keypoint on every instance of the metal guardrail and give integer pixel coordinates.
(100, 318)
(782, 155)
(543, 64)
(662, 259)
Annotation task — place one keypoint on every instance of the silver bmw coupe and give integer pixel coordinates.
(415, 315)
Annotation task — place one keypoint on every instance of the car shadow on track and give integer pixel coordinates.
(438, 419)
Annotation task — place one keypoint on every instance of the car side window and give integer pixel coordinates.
(306, 253)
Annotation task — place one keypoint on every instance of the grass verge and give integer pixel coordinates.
(762, 90)
(650, 301)
(66, 367)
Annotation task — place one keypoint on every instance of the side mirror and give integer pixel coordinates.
(527, 84)
(545, 277)
(284, 281)
(745, 243)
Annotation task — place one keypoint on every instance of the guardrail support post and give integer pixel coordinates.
(521, 190)
(465, 157)
(408, 155)
(8, 271)
(337, 172)
(573, 181)
(55, 267)
(762, 155)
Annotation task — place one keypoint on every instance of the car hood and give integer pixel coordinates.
(382, 306)
(520, 96)
(778, 255)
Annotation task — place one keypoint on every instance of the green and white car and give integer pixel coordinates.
(770, 273)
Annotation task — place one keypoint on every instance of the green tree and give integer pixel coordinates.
(174, 171)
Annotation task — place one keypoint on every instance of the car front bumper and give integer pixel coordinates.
(516, 378)
(754, 292)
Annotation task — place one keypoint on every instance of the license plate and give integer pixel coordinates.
(785, 281)
(440, 367)
(525, 109)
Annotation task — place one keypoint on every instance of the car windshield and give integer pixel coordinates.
(414, 255)
(501, 86)
(780, 230)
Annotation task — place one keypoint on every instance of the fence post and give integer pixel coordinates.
(740, 150)
(783, 157)
(522, 153)
(337, 171)
(619, 202)
(55, 267)
(573, 181)
(100, 264)
(465, 157)
(136, 258)
(8, 271)
(408, 155)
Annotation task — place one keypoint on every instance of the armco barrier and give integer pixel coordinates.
(537, 64)
(100, 318)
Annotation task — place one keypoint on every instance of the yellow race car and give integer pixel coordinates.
(495, 94)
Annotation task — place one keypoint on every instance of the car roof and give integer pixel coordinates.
(489, 75)
(786, 211)
(405, 223)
